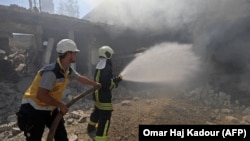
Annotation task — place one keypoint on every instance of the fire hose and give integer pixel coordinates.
(59, 115)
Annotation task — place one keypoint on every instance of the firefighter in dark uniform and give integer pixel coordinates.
(98, 125)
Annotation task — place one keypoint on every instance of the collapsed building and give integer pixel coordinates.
(28, 39)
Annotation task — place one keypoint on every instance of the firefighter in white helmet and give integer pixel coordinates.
(43, 99)
(98, 125)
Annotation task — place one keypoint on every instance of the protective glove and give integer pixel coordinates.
(117, 79)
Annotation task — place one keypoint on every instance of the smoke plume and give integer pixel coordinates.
(220, 31)
(163, 63)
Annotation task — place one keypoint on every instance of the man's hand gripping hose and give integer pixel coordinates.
(117, 79)
(59, 116)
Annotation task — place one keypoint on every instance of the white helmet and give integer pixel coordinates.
(66, 45)
(106, 52)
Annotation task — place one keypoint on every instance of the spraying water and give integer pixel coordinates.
(165, 62)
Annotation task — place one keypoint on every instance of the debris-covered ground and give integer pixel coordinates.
(132, 110)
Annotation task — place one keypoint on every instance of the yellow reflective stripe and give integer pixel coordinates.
(97, 77)
(105, 132)
(101, 138)
(112, 85)
(104, 106)
(97, 96)
(92, 123)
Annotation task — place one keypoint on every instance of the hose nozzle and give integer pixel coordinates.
(120, 76)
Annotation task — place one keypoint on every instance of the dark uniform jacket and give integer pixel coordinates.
(103, 96)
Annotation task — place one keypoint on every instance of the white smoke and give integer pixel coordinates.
(165, 62)
(219, 31)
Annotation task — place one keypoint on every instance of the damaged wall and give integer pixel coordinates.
(42, 27)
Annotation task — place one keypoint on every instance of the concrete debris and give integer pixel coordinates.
(226, 111)
(82, 119)
(77, 114)
(135, 98)
(246, 118)
(20, 67)
(72, 137)
(126, 103)
(70, 121)
(7, 127)
(148, 102)
(232, 119)
(15, 131)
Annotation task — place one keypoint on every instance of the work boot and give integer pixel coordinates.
(90, 128)
(91, 131)
(92, 135)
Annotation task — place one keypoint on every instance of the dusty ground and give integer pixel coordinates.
(127, 115)
(126, 119)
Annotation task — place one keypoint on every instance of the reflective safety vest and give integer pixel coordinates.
(104, 75)
(62, 79)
